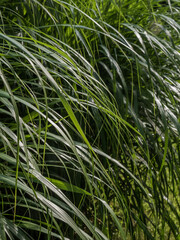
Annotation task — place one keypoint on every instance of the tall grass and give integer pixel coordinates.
(90, 119)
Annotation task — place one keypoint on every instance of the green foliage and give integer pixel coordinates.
(90, 119)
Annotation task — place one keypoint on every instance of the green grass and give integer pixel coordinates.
(89, 119)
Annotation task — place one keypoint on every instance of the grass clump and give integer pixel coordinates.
(90, 123)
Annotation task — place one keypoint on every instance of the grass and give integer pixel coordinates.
(90, 122)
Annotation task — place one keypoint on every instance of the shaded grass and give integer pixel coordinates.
(89, 130)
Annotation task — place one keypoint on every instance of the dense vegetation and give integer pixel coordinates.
(89, 119)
